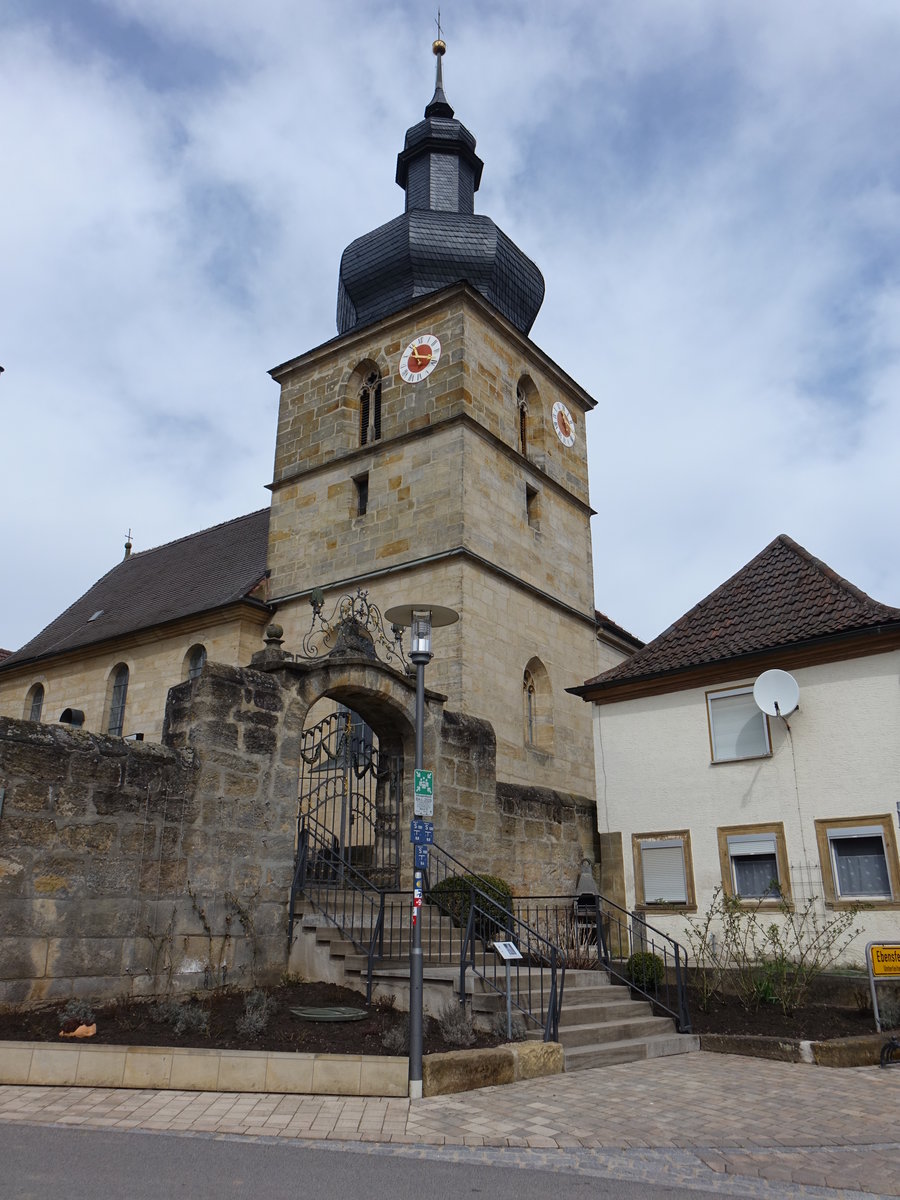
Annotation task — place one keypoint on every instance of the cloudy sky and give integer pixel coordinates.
(710, 189)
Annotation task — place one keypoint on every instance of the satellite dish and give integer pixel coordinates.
(776, 693)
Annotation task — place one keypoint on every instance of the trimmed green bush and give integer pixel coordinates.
(451, 895)
(645, 970)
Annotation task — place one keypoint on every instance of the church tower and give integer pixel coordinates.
(432, 452)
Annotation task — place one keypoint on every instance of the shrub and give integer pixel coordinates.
(452, 896)
(766, 960)
(645, 970)
(396, 1039)
(191, 1019)
(258, 1008)
(456, 1025)
(78, 1011)
(499, 1027)
(184, 1018)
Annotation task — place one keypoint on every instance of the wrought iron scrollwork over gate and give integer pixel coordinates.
(350, 793)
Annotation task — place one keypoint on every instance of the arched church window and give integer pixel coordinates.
(117, 698)
(370, 409)
(537, 707)
(194, 662)
(34, 702)
(530, 708)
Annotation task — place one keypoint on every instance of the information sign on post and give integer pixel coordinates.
(421, 833)
(421, 853)
(423, 793)
(507, 952)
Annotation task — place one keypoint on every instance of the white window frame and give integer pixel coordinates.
(717, 751)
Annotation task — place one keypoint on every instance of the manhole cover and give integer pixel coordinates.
(334, 1013)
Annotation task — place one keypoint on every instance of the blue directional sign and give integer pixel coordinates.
(421, 833)
(421, 858)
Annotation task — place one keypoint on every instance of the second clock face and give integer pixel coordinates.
(420, 358)
(563, 423)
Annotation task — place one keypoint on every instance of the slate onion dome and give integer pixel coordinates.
(438, 240)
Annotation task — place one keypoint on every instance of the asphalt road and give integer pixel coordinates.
(38, 1163)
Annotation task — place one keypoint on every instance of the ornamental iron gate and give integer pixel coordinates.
(350, 794)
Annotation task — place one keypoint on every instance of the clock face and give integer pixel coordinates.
(420, 358)
(563, 423)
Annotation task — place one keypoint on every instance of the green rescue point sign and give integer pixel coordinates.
(423, 783)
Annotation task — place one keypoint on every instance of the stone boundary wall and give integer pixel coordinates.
(135, 868)
(129, 867)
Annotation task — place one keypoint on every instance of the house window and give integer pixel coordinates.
(737, 728)
(859, 860)
(370, 409)
(195, 661)
(118, 696)
(754, 862)
(663, 871)
(34, 702)
(361, 484)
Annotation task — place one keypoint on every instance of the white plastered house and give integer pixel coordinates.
(698, 788)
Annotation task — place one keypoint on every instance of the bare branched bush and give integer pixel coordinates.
(767, 954)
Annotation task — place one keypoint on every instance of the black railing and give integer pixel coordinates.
(461, 923)
(340, 892)
(593, 932)
(536, 980)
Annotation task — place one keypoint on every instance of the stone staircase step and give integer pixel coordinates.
(617, 1008)
(580, 1058)
(600, 1022)
(600, 1033)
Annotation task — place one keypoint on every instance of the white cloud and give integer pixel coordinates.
(709, 190)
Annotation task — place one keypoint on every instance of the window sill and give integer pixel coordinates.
(643, 907)
(727, 762)
(862, 903)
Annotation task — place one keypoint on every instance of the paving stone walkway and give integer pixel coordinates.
(736, 1126)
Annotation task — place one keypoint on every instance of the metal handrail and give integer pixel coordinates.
(339, 891)
(600, 933)
(538, 998)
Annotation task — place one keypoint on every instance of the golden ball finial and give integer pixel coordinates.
(439, 47)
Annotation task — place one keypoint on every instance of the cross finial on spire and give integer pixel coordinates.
(438, 106)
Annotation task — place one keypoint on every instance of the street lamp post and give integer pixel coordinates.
(420, 619)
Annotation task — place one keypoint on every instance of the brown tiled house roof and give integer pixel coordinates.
(783, 597)
(199, 573)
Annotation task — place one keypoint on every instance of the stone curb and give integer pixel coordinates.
(193, 1070)
(861, 1051)
(466, 1070)
(51, 1064)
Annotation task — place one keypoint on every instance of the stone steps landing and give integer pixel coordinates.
(600, 1023)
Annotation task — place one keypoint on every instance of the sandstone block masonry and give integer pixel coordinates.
(130, 867)
(144, 869)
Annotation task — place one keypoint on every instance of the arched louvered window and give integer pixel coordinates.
(370, 409)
